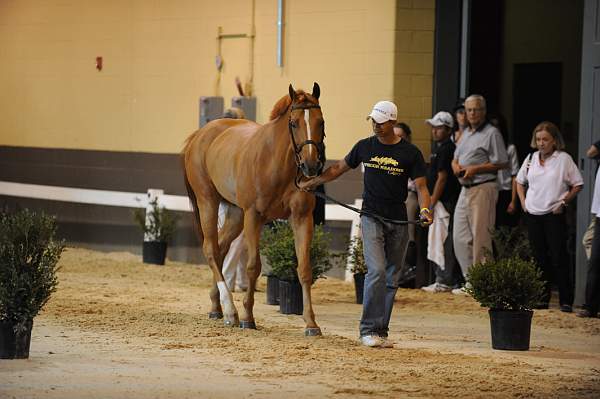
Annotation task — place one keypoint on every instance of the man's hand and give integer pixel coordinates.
(512, 208)
(425, 217)
(468, 172)
(307, 185)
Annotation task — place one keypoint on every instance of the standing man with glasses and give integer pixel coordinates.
(479, 155)
(389, 161)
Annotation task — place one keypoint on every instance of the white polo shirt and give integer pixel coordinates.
(596, 197)
(550, 183)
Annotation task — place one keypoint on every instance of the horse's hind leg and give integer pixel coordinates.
(233, 222)
(253, 223)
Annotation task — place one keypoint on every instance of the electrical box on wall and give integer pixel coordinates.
(211, 108)
(247, 104)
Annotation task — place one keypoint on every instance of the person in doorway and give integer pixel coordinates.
(507, 206)
(460, 120)
(234, 264)
(592, 286)
(389, 161)
(444, 189)
(403, 131)
(593, 153)
(479, 155)
(547, 183)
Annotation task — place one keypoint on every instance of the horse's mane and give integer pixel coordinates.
(284, 102)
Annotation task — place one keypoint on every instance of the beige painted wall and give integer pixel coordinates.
(159, 58)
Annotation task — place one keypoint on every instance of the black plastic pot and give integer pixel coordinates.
(15, 345)
(359, 286)
(511, 329)
(154, 252)
(272, 290)
(290, 297)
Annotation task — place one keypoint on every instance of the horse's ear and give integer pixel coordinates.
(316, 92)
(292, 93)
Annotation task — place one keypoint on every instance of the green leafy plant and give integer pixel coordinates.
(161, 222)
(506, 284)
(356, 257)
(29, 253)
(511, 242)
(277, 245)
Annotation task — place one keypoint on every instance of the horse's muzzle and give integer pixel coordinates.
(311, 170)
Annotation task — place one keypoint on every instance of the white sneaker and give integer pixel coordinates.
(386, 343)
(436, 287)
(373, 341)
(461, 291)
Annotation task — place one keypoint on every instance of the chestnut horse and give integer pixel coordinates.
(252, 170)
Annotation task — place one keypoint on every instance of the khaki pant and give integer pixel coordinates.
(588, 238)
(474, 218)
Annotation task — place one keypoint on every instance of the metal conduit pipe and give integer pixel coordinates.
(280, 33)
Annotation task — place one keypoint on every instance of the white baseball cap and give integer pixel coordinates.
(440, 119)
(384, 111)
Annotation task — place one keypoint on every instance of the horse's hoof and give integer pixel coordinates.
(312, 332)
(230, 323)
(248, 324)
(215, 315)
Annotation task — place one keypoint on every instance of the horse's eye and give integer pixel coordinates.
(294, 124)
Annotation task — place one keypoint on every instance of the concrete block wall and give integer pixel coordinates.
(159, 57)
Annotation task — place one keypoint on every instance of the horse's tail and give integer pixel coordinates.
(190, 191)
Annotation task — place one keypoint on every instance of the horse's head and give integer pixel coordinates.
(307, 131)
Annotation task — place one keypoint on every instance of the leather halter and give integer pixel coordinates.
(297, 148)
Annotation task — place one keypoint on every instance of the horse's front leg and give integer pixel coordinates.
(303, 232)
(252, 227)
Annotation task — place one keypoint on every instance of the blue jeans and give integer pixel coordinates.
(384, 248)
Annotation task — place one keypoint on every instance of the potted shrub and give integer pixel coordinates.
(277, 245)
(158, 226)
(510, 288)
(358, 267)
(29, 252)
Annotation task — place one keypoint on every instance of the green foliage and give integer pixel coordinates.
(511, 242)
(161, 222)
(277, 245)
(29, 253)
(509, 284)
(356, 257)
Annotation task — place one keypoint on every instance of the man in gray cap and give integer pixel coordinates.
(389, 161)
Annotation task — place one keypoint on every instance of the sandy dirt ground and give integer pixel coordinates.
(118, 328)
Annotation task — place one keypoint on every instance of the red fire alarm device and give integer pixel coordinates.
(99, 63)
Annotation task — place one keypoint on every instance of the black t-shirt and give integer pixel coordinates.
(441, 159)
(387, 169)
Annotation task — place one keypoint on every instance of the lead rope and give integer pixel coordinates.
(359, 211)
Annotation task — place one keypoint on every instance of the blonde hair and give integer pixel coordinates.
(551, 128)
